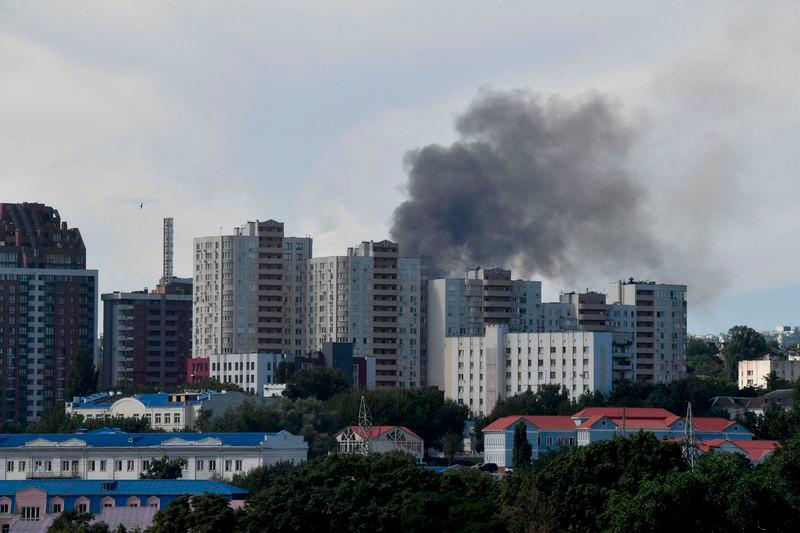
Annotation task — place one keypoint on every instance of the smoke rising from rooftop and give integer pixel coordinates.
(538, 183)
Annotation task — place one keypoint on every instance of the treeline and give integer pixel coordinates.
(620, 485)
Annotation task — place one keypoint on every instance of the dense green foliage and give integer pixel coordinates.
(206, 513)
(82, 377)
(315, 382)
(424, 411)
(703, 359)
(742, 343)
(164, 468)
(56, 421)
(73, 521)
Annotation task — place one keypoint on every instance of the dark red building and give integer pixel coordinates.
(48, 308)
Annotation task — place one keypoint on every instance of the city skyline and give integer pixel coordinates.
(99, 131)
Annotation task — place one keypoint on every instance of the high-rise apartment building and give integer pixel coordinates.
(375, 299)
(147, 336)
(660, 337)
(296, 252)
(465, 306)
(48, 308)
(239, 291)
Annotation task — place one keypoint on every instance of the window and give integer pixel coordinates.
(177, 418)
(57, 507)
(92, 466)
(228, 464)
(103, 465)
(130, 465)
(118, 466)
(212, 465)
(83, 507)
(21, 466)
(199, 465)
(4, 508)
(30, 513)
(9, 466)
(167, 417)
(238, 465)
(158, 418)
(145, 464)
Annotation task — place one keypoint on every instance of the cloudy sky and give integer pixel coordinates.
(219, 112)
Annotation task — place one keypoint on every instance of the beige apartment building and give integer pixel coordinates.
(373, 298)
(239, 291)
(754, 372)
(660, 337)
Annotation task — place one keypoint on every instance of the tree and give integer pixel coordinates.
(451, 446)
(318, 382)
(774, 382)
(54, 420)
(214, 384)
(73, 521)
(283, 371)
(743, 343)
(175, 518)
(523, 450)
(211, 513)
(82, 377)
(164, 468)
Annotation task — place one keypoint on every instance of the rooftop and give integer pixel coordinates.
(112, 437)
(134, 487)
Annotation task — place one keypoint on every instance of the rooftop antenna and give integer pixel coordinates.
(168, 272)
(365, 424)
(689, 438)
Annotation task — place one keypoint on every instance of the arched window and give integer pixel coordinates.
(82, 504)
(153, 501)
(107, 502)
(133, 501)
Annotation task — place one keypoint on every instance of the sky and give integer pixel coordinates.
(216, 113)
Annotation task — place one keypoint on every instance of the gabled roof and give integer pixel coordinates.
(713, 424)
(630, 412)
(115, 438)
(755, 450)
(541, 422)
(377, 431)
(132, 487)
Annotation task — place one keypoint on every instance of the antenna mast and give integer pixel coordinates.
(689, 438)
(168, 273)
(365, 424)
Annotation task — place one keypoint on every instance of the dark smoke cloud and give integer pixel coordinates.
(538, 183)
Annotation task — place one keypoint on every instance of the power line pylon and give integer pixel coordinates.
(365, 424)
(690, 450)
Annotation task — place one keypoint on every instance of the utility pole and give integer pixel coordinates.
(689, 438)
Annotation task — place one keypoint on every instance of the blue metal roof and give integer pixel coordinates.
(106, 437)
(155, 399)
(133, 487)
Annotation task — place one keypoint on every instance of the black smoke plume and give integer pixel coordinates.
(540, 184)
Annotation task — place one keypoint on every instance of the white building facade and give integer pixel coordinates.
(251, 371)
(112, 454)
(499, 364)
(754, 372)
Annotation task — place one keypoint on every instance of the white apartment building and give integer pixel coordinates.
(465, 306)
(660, 338)
(499, 364)
(375, 299)
(109, 454)
(239, 291)
(251, 371)
(754, 372)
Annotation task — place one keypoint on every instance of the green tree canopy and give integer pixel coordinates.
(73, 521)
(521, 454)
(82, 377)
(743, 343)
(164, 468)
(317, 382)
(54, 420)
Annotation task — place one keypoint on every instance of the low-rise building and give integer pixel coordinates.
(250, 371)
(381, 439)
(132, 503)
(166, 411)
(111, 454)
(499, 364)
(755, 450)
(738, 405)
(547, 433)
(754, 372)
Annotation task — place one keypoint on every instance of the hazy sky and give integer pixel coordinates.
(219, 112)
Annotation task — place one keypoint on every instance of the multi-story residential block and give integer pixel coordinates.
(33, 505)
(660, 339)
(110, 454)
(147, 336)
(165, 411)
(239, 291)
(499, 364)
(250, 371)
(375, 299)
(48, 308)
(547, 433)
(197, 369)
(296, 253)
(465, 306)
(754, 372)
